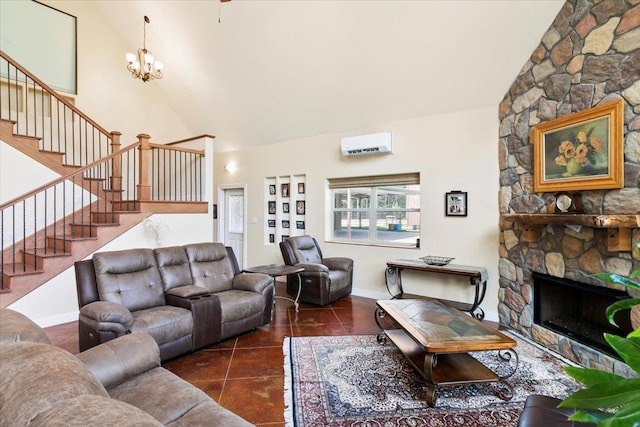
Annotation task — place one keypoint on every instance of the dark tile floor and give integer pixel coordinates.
(245, 374)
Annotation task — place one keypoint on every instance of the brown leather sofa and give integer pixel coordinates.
(323, 280)
(185, 297)
(119, 383)
(543, 411)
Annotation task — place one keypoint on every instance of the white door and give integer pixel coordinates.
(234, 222)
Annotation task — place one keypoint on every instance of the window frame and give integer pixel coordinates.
(374, 185)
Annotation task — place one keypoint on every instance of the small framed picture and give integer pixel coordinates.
(300, 207)
(301, 188)
(272, 207)
(285, 207)
(272, 189)
(284, 190)
(284, 237)
(272, 238)
(271, 223)
(285, 223)
(455, 203)
(300, 225)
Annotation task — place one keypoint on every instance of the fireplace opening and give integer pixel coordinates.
(577, 310)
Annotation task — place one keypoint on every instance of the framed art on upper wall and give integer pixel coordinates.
(581, 151)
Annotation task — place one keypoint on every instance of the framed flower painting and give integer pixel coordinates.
(581, 151)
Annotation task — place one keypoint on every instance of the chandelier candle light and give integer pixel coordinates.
(143, 65)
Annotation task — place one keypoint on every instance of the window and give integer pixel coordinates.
(383, 209)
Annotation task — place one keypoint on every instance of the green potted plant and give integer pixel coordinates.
(611, 400)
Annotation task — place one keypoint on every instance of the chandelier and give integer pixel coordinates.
(144, 65)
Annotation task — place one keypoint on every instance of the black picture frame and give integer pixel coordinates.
(285, 207)
(284, 190)
(272, 189)
(284, 237)
(455, 203)
(285, 223)
(300, 225)
(271, 223)
(300, 207)
(271, 206)
(272, 238)
(301, 188)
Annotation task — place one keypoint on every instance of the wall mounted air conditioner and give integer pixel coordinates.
(375, 143)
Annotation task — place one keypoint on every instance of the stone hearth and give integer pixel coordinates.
(589, 56)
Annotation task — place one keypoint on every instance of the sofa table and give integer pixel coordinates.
(436, 338)
(477, 277)
(275, 270)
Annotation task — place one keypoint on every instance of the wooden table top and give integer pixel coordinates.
(440, 328)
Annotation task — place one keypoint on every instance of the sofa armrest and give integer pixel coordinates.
(338, 263)
(255, 282)
(310, 267)
(107, 316)
(115, 361)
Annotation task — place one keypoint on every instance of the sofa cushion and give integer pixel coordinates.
(305, 249)
(201, 415)
(173, 396)
(210, 266)
(34, 377)
(88, 410)
(173, 266)
(129, 277)
(16, 326)
(165, 323)
(238, 305)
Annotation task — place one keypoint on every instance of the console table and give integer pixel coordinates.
(477, 277)
(274, 271)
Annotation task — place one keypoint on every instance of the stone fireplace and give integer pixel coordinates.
(590, 55)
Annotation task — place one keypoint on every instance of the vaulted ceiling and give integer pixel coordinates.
(259, 72)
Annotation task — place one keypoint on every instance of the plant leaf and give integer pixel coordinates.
(618, 280)
(627, 348)
(589, 417)
(604, 395)
(589, 377)
(620, 305)
(627, 416)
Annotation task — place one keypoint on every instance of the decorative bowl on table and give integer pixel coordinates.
(437, 260)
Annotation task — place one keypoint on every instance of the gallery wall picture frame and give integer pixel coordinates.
(271, 223)
(272, 238)
(284, 237)
(301, 188)
(300, 207)
(455, 203)
(285, 207)
(285, 223)
(284, 190)
(300, 225)
(271, 206)
(272, 189)
(580, 151)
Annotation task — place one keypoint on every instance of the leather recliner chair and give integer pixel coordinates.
(323, 280)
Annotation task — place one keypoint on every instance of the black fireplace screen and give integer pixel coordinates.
(577, 310)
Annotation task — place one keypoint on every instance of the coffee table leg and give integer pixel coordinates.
(430, 362)
(379, 314)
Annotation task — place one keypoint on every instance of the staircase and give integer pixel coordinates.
(98, 196)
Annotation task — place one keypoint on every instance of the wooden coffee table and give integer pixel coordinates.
(436, 338)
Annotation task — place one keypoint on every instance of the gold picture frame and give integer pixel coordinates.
(581, 151)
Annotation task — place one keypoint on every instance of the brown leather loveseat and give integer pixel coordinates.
(185, 297)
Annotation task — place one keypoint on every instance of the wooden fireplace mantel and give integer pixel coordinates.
(619, 226)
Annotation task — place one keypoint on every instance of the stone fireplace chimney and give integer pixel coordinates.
(589, 56)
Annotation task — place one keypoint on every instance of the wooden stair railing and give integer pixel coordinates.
(39, 111)
(44, 222)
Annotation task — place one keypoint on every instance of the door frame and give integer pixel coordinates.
(222, 211)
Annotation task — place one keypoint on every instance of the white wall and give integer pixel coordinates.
(457, 151)
(106, 90)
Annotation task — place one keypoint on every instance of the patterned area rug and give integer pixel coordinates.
(354, 381)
